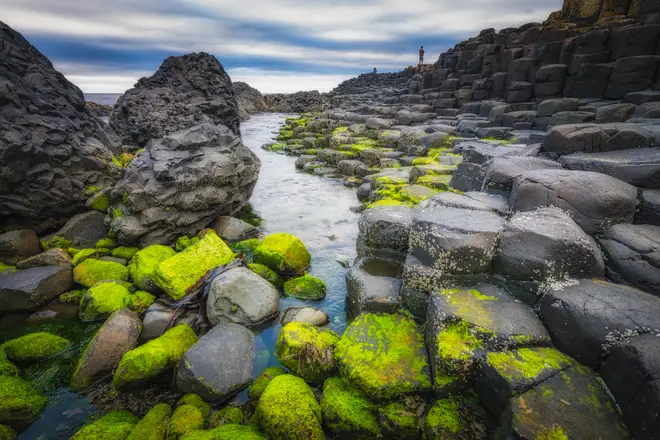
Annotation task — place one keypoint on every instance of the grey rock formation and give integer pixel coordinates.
(299, 102)
(219, 364)
(310, 315)
(161, 316)
(53, 151)
(32, 288)
(52, 257)
(373, 286)
(82, 230)
(186, 91)
(250, 100)
(232, 229)
(501, 172)
(649, 210)
(181, 183)
(18, 245)
(384, 232)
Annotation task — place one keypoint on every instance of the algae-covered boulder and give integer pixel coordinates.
(35, 347)
(6, 433)
(226, 432)
(103, 299)
(307, 351)
(262, 381)
(267, 274)
(141, 300)
(153, 425)
(124, 252)
(190, 415)
(116, 425)
(403, 420)
(283, 253)
(458, 417)
(347, 412)
(305, 287)
(384, 356)
(6, 367)
(20, 402)
(246, 248)
(229, 415)
(288, 410)
(153, 358)
(91, 271)
(180, 274)
(145, 262)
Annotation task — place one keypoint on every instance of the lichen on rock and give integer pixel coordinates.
(307, 351)
(144, 264)
(305, 287)
(262, 381)
(91, 271)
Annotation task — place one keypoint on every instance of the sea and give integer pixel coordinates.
(103, 98)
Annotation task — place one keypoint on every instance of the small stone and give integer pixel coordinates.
(305, 287)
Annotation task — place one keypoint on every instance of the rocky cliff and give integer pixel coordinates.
(250, 100)
(299, 102)
(54, 153)
(185, 91)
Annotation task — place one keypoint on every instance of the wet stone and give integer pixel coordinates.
(373, 286)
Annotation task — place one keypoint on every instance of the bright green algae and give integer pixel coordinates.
(262, 381)
(106, 243)
(247, 248)
(284, 253)
(229, 415)
(456, 417)
(20, 402)
(91, 271)
(85, 254)
(103, 299)
(153, 425)
(145, 262)
(526, 364)
(116, 425)
(288, 410)
(157, 356)
(267, 274)
(305, 287)
(185, 242)
(307, 351)
(35, 347)
(402, 419)
(190, 415)
(181, 273)
(125, 252)
(384, 355)
(226, 432)
(6, 433)
(347, 412)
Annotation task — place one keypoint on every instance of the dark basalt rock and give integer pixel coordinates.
(185, 91)
(299, 102)
(53, 150)
(250, 100)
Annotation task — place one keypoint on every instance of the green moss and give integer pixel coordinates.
(72, 251)
(35, 347)
(307, 351)
(56, 242)
(6, 367)
(6, 268)
(423, 161)
(226, 432)
(106, 243)
(528, 363)
(72, 297)
(262, 381)
(91, 271)
(197, 402)
(457, 417)
(246, 247)
(402, 420)
(103, 299)
(229, 415)
(183, 243)
(123, 160)
(85, 254)
(153, 425)
(116, 425)
(275, 147)
(384, 355)
(439, 182)
(444, 417)
(305, 287)
(186, 418)
(347, 412)
(389, 202)
(283, 253)
(144, 264)
(456, 345)
(554, 433)
(339, 130)
(249, 215)
(142, 364)
(6, 433)
(20, 402)
(288, 410)
(180, 274)
(267, 274)
(92, 190)
(125, 252)
(140, 301)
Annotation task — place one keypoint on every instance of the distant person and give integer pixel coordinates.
(375, 72)
(421, 55)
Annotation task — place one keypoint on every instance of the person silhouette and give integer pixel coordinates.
(375, 72)
(421, 55)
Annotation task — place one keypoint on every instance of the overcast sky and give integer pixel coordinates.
(274, 45)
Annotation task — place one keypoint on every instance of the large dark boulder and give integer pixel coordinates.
(32, 288)
(53, 152)
(185, 91)
(179, 184)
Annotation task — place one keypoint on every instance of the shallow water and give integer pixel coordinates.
(315, 209)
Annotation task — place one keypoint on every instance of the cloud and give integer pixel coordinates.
(320, 39)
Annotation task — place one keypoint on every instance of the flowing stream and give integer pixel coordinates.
(317, 210)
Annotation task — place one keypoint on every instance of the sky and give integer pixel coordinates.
(276, 46)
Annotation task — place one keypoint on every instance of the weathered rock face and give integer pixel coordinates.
(185, 91)
(299, 102)
(181, 183)
(250, 100)
(53, 151)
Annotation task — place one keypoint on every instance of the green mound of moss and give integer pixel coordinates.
(116, 425)
(347, 412)
(91, 271)
(305, 287)
(226, 432)
(153, 425)
(307, 351)
(35, 347)
(20, 402)
(284, 253)
(145, 262)
(262, 381)
(267, 274)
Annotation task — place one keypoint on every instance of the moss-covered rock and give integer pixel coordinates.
(91, 271)
(116, 425)
(6, 268)
(99, 201)
(106, 243)
(197, 402)
(56, 242)
(307, 351)
(283, 253)
(145, 262)
(153, 425)
(20, 402)
(141, 300)
(347, 412)
(229, 415)
(124, 252)
(183, 243)
(187, 417)
(226, 432)
(403, 420)
(247, 248)
(85, 254)
(288, 410)
(142, 364)
(6, 367)
(384, 355)
(72, 297)
(267, 274)
(35, 347)
(457, 417)
(181, 273)
(103, 299)
(6, 433)
(262, 381)
(305, 287)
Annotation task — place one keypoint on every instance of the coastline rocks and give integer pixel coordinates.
(52, 257)
(243, 297)
(185, 91)
(153, 425)
(233, 230)
(373, 286)
(83, 230)
(91, 271)
(219, 364)
(307, 351)
(32, 288)
(384, 232)
(18, 245)
(305, 287)
(250, 100)
(54, 151)
(299, 102)
(180, 183)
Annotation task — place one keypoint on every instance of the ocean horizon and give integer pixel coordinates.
(103, 98)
